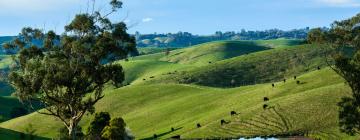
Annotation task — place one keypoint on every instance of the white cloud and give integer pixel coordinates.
(340, 3)
(147, 19)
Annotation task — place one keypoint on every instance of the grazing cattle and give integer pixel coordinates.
(172, 129)
(155, 136)
(152, 77)
(273, 85)
(198, 125)
(222, 122)
(209, 62)
(298, 82)
(176, 137)
(144, 79)
(265, 106)
(318, 68)
(294, 77)
(232, 113)
(284, 80)
(266, 99)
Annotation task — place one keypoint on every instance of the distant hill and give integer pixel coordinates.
(260, 67)
(152, 50)
(185, 39)
(217, 63)
(212, 52)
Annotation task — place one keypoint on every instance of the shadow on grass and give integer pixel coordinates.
(162, 134)
(7, 134)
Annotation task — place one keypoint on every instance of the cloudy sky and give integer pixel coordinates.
(196, 16)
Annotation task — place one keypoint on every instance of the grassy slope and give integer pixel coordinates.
(212, 52)
(6, 134)
(281, 42)
(150, 109)
(157, 65)
(152, 50)
(155, 108)
(259, 67)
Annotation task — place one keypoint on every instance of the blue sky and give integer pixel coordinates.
(195, 16)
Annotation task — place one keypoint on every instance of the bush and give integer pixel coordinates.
(116, 130)
(100, 121)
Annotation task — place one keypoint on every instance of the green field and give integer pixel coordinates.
(152, 50)
(5, 61)
(157, 100)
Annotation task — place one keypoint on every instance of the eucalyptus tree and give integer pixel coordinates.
(344, 34)
(67, 73)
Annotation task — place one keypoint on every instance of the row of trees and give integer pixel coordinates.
(182, 39)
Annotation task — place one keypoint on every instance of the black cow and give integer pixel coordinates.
(176, 137)
(298, 82)
(232, 113)
(265, 106)
(266, 99)
(222, 122)
(294, 77)
(172, 129)
(284, 80)
(318, 68)
(144, 79)
(198, 125)
(273, 85)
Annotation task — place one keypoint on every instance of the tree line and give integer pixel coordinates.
(184, 39)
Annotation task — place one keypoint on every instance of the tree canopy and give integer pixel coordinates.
(345, 34)
(67, 72)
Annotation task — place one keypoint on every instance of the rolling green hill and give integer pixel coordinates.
(159, 65)
(155, 101)
(212, 52)
(260, 67)
(309, 107)
(152, 50)
(281, 42)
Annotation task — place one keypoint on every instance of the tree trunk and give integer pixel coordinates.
(72, 129)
